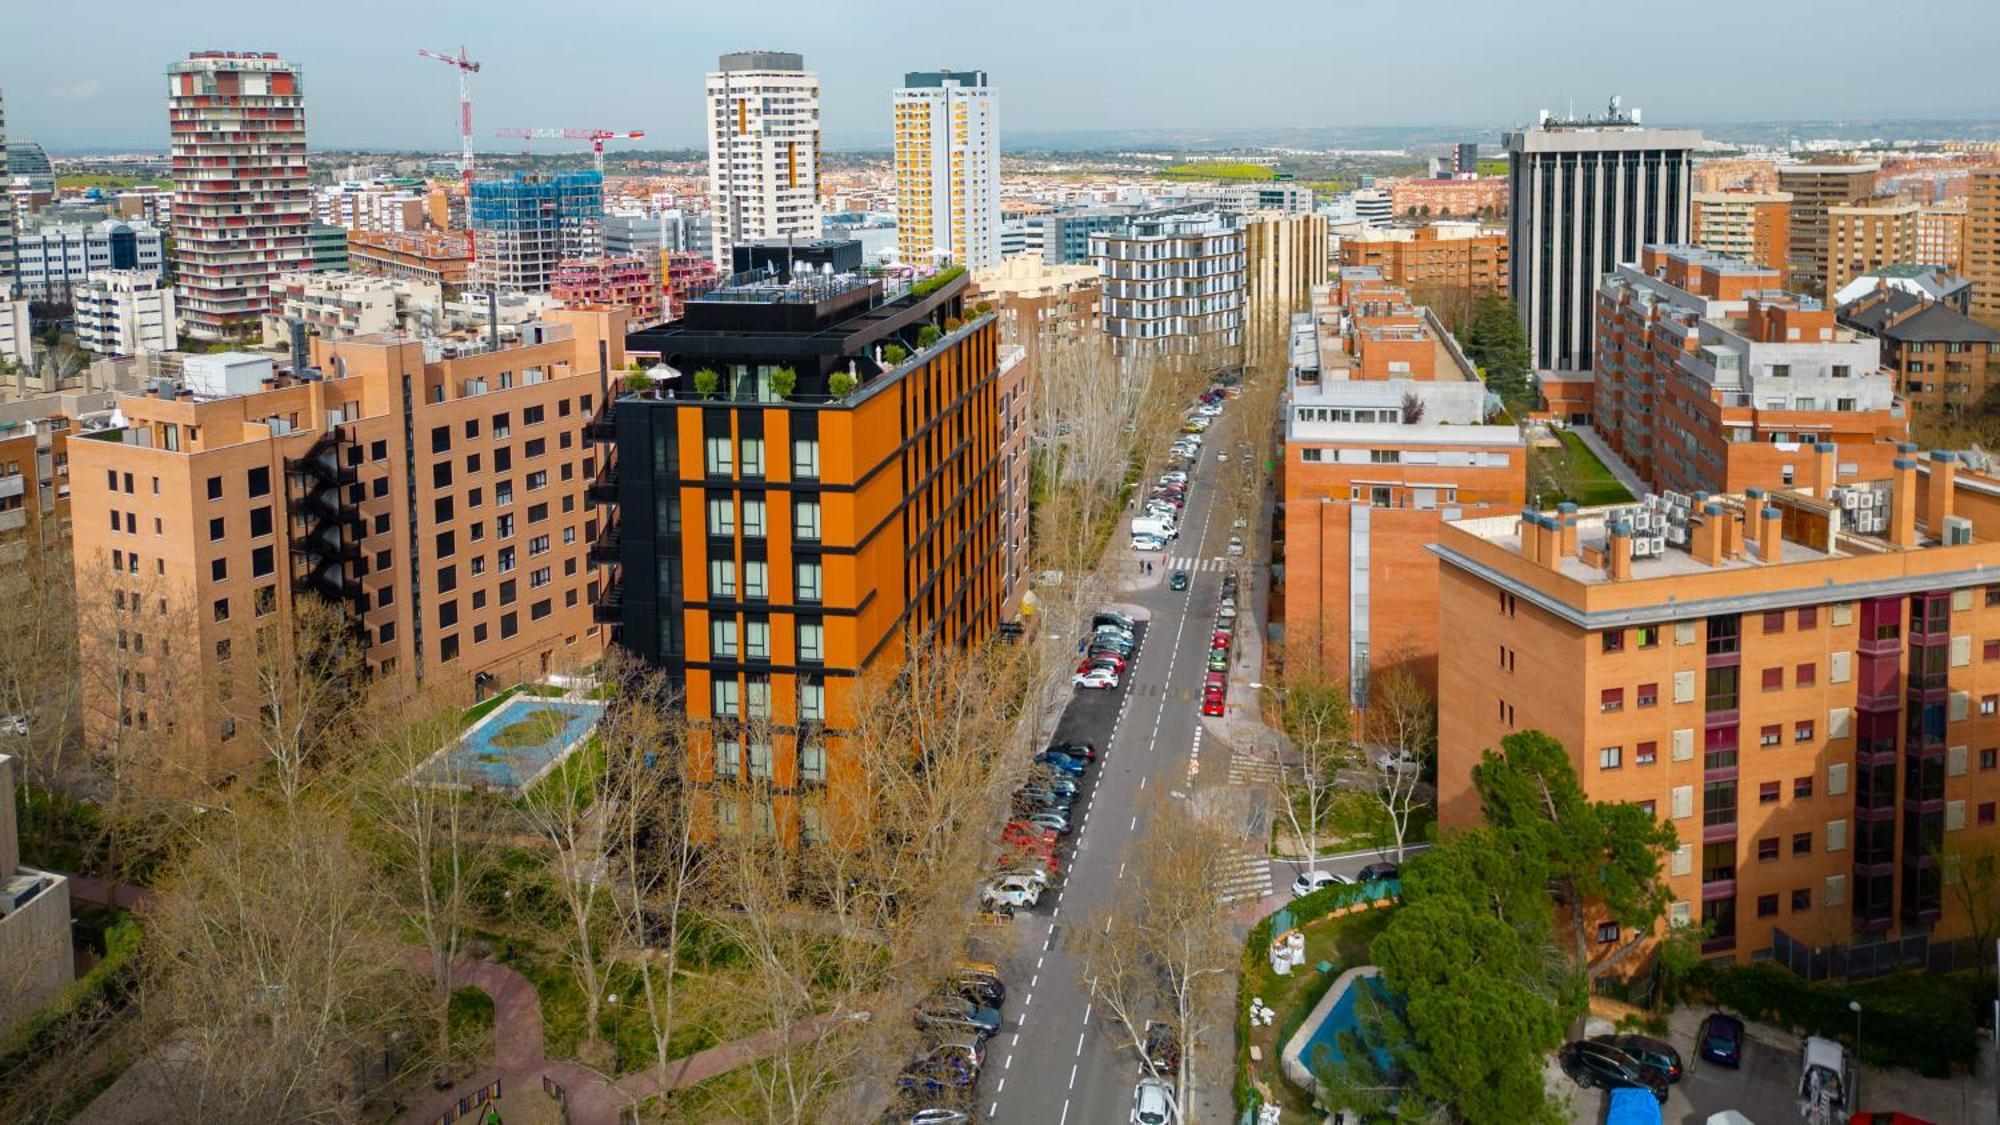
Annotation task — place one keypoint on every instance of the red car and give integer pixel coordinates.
(1020, 832)
(1109, 660)
(1216, 680)
(1212, 705)
(1220, 640)
(1016, 857)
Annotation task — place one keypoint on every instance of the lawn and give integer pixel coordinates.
(108, 182)
(1344, 942)
(1594, 483)
(1219, 170)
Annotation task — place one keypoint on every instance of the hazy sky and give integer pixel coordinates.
(93, 75)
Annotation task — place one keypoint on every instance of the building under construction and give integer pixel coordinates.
(525, 226)
(630, 283)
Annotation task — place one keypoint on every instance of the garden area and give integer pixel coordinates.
(1566, 469)
(1339, 924)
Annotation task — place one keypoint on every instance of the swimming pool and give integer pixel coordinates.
(1319, 1036)
(513, 745)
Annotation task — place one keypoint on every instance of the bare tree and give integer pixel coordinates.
(1162, 947)
(1316, 719)
(1971, 866)
(39, 677)
(1401, 728)
(304, 686)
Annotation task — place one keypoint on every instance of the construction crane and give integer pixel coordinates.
(596, 137)
(466, 69)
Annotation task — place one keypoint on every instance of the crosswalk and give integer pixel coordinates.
(1194, 565)
(1252, 769)
(1245, 876)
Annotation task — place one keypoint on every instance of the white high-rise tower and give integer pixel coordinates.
(763, 149)
(947, 169)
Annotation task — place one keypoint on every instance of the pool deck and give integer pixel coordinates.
(1292, 1060)
(466, 774)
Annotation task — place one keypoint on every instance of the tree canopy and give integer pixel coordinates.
(1496, 342)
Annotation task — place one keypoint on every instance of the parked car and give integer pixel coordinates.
(1152, 1102)
(1214, 706)
(1225, 616)
(1013, 890)
(1310, 881)
(1221, 638)
(1218, 660)
(1024, 832)
(1174, 477)
(1376, 872)
(1096, 679)
(1053, 821)
(1042, 777)
(979, 986)
(16, 725)
(936, 1115)
(1148, 543)
(938, 1075)
(1101, 658)
(1720, 1040)
(1235, 545)
(1214, 679)
(1654, 1054)
(956, 1013)
(1033, 800)
(1591, 1064)
(1178, 580)
(1396, 761)
(1083, 750)
(1163, 1048)
(1113, 617)
(1061, 762)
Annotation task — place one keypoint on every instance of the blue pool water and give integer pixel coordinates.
(1343, 1017)
(475, 759)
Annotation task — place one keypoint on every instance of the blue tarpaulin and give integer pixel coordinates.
(1631, 1105)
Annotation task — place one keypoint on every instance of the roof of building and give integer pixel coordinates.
(1900, 315)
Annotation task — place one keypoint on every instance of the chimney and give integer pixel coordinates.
(1566, 514)
(1530, 539)
(1943, 485)
(1903, 504)
(1753, 503)
(1620, 564)
(1705, 538)
(1732, 533)
(1771, 539)
(1826, 461)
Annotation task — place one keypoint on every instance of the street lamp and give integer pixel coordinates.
(1853, 1095)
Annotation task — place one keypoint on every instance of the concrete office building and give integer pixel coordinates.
(1754, 226)
(17, 339)
(524, 226)
(1864, 238)
(947, 137)
(34, 920)
(123, 312)
(1940, 357)
(1712, 378)
(1174, 286)
(1982, 244)
(1364, 485)
(1803, 682)
(1814, 188)
(763, 149)
(329, 248)
(6, 217)
(242, 200)
(1285, 254)
(772, 553)
(51, 260)
(1586, 195)
(655, 233)
(438, 502)
(1065, 235)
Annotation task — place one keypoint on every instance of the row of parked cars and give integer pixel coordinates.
(1112, 644)
(1626, 1061)
(1215, 685)
(936, 1087)
(1159, 523)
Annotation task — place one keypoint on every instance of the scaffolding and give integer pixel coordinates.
(525, 226)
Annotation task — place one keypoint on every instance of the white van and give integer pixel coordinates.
(1158, 526)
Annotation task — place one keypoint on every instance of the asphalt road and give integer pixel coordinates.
(1057, 1059)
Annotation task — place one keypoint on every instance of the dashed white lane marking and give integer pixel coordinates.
(1121, 870)
(1134, 827)
(1079, 1044)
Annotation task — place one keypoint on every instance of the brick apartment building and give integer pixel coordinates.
(1386, 437)
(1941, 358)
(1982, 244)
(1814, 188)
(1711, 377)
(1458, 255)
(1863, 238)
(428, 256)
(1753, 226)
(770, 552)
(1804, 683)
(440, 503)
(628, 283)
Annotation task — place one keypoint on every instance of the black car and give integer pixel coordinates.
(1653, 1054)
(980, 988)
(1163, 1048)
(1376, 872)
(1594, 1064)
(1720, 1040)
(1178, 580)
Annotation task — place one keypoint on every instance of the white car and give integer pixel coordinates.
(1148, 543)
(1310, 881)
(1235, 545)
(1152, 1102)
(1096, 678)
(1209, 410)
(1391, 761)
(1175, 477)
(1012, 890)
(14, 725)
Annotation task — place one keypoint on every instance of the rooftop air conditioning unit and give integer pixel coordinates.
(1957, 531)
(1869, 499)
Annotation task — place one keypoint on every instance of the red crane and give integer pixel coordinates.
(466, 69)
(596, 137)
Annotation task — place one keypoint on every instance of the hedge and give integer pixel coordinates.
(121, 945)
(936, 281)
(1919, 1021)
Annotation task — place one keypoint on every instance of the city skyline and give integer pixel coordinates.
(1117, 72)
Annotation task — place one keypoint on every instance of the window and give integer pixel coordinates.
(539, 545)
(440, 439)
(722, 578)
(1989, 758)
(1767, 792)
(1646, 753)
(1607, 932)
(805, 458)
(1801, 899)
(501, 428)
(805, 519)
(447, 579)
(260, 482)
(721, 517)
(757, 640)
(263, 561)
(1801, 843)
(215, 493)
(751, 455)
(1805, 675)
(728, 759)
(727, 696)
(1774, 679)
(757, 700)
(717, 458)
(535, 447)
(1767, 849)
(218, 571)
(1649, 636)
(1614, 640)
(812, 761)
(221, 609)
(1774, 621)
(1767, 905)
(812, 701)
(1649, 695)
(216, 528)
(1989, 704)
(1610, 757)
(756, 580)
(753, 518)
(1986, 811)
(1802, 731)
(807, 580)
(538, 479)
(1611, 699)
(446, 544)
(532, 416)
(812, 641)
(1771, 735)
(1990, 650)
(760, 758)
(722, 638)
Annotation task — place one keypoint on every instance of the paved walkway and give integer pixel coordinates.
(1612, 461)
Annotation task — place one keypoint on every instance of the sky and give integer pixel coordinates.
(92, 77)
